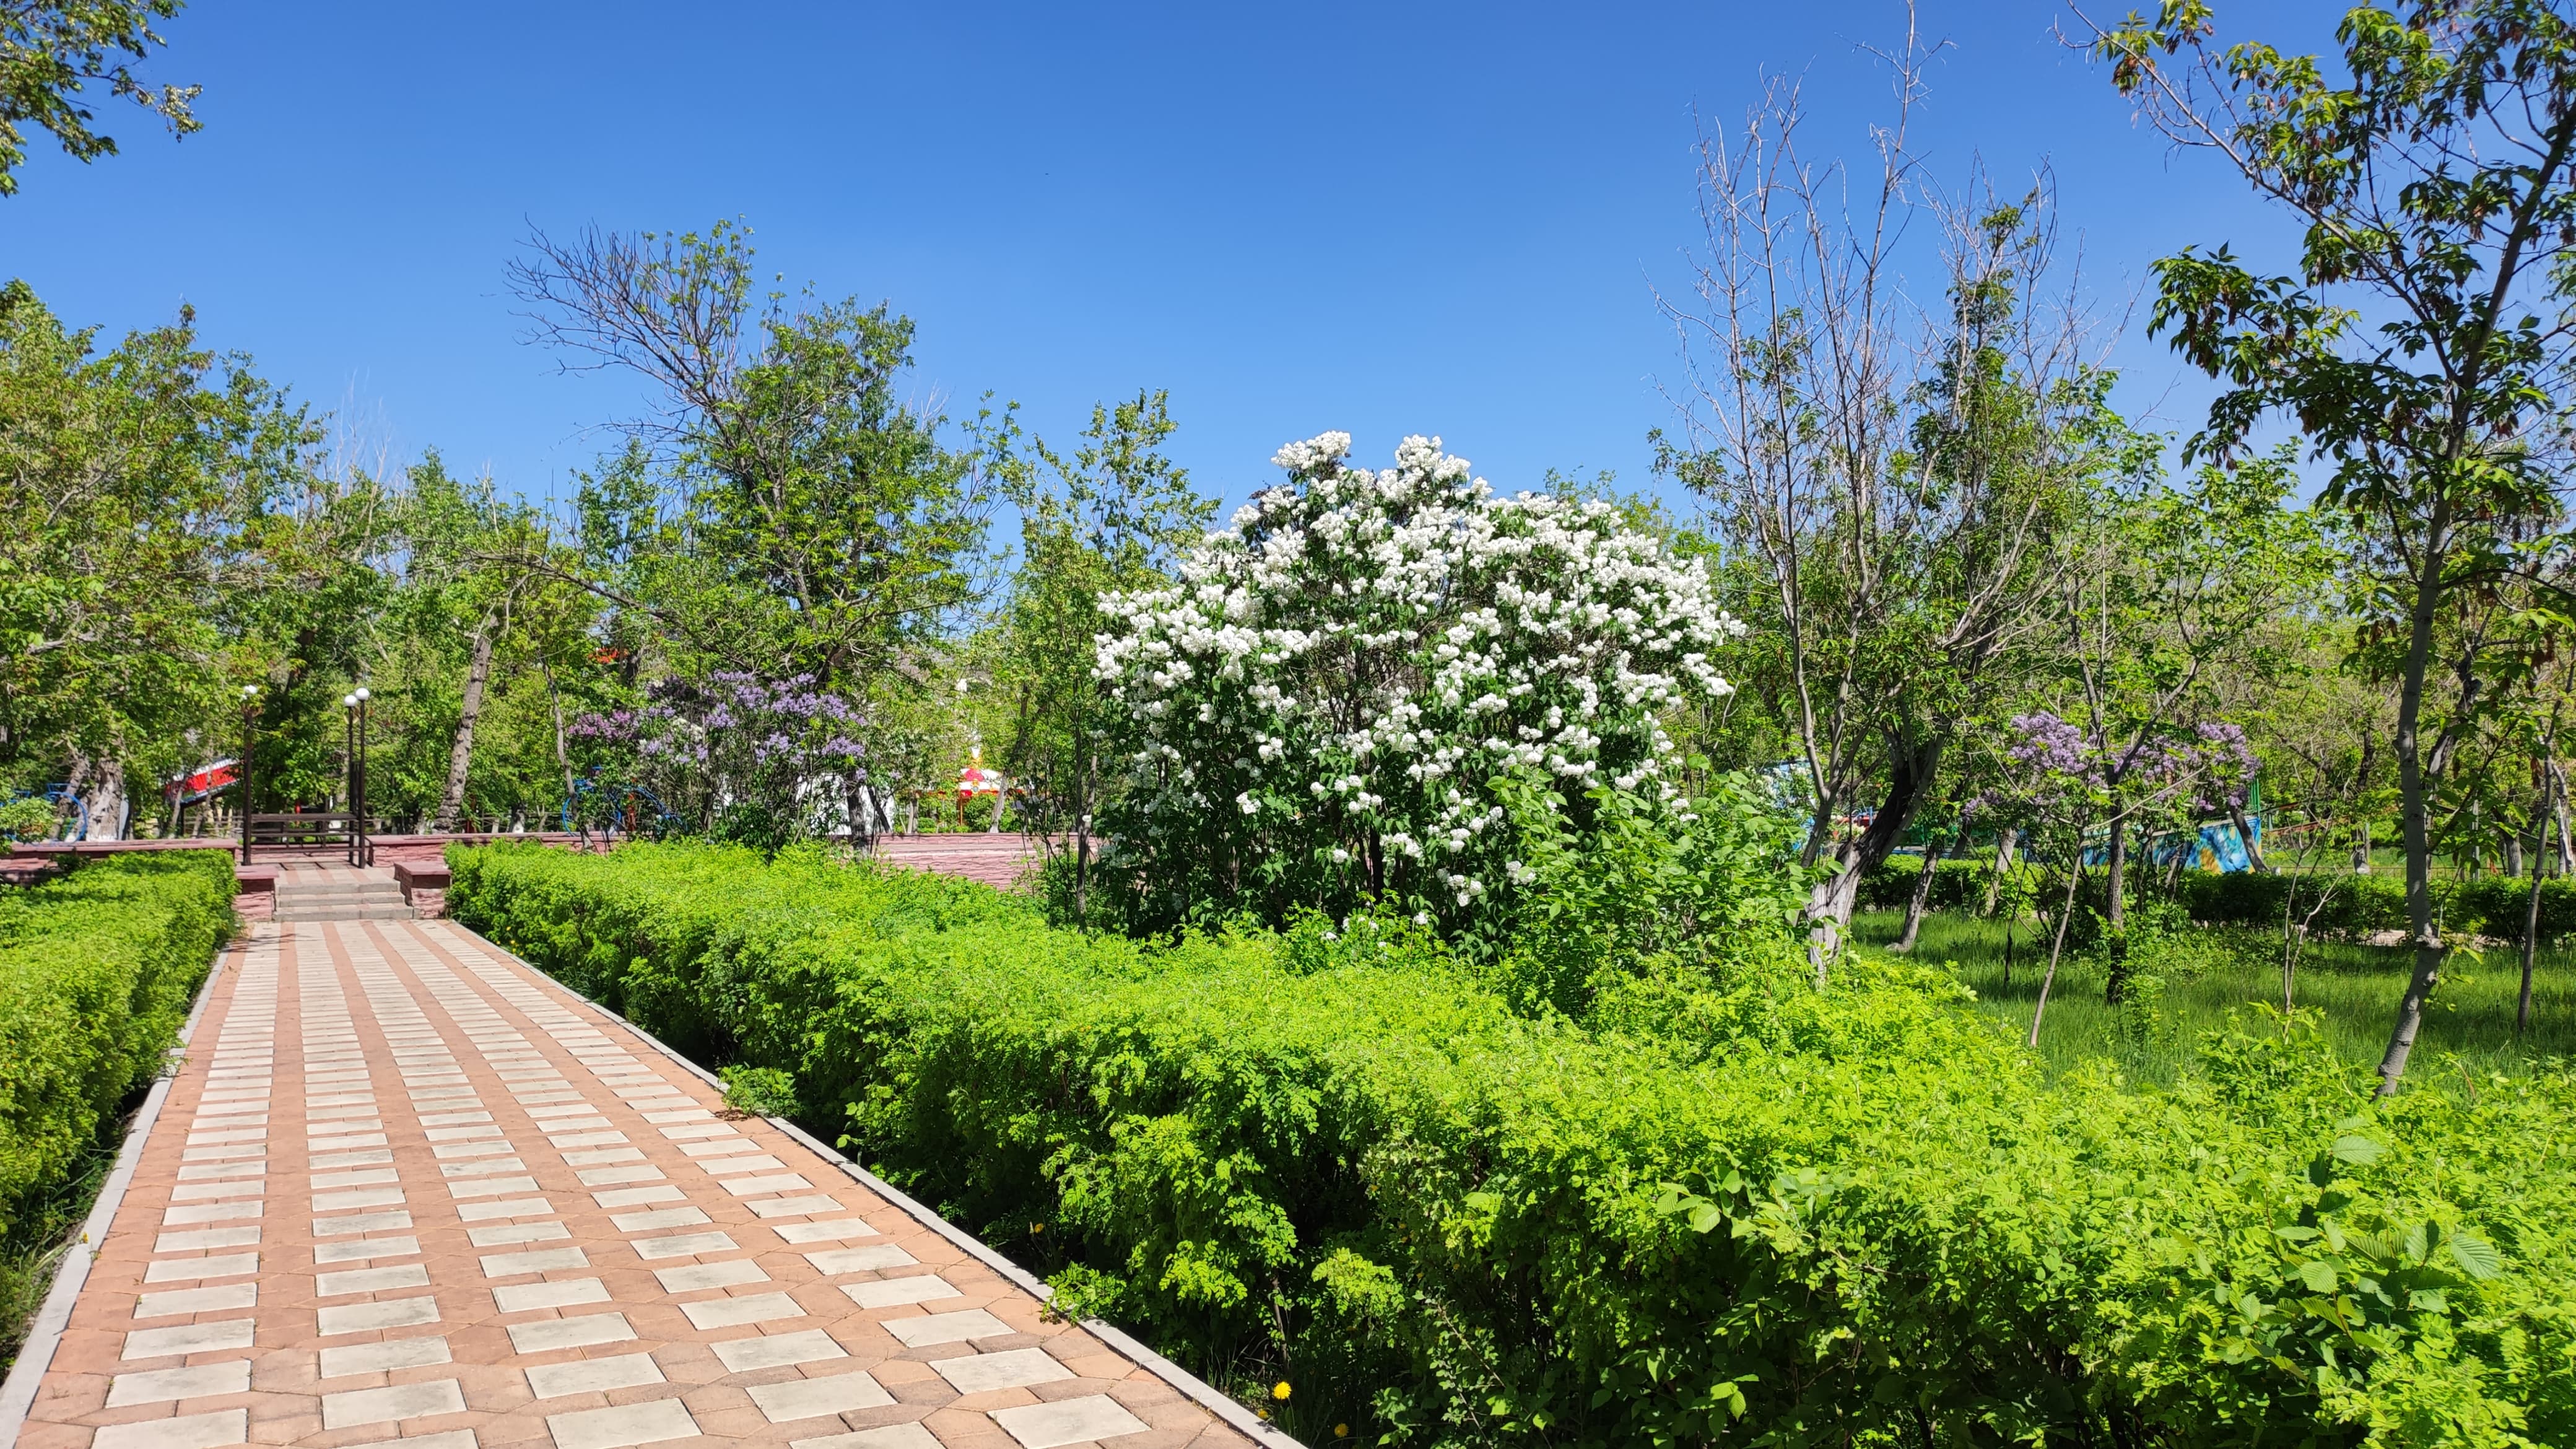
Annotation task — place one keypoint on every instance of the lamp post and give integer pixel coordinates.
(366, 843)
(361, 854)
(250, 731)
(349, 768)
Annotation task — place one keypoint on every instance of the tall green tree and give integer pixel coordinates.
(152, 490)
(2422, 344)
(489, 592)
(811, 512)
(2179, 589)
(787, 510)
(1115, 515)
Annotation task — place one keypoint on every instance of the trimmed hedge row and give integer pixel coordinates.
(96, 972)
(1957, 885)
(1740, 1211)
(2488, 905)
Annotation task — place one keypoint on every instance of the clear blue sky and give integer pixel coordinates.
(1382, 218)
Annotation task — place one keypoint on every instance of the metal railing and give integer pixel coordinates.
(307, 828)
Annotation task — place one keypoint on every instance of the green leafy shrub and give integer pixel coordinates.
(2156, 948)
(1719, 1206)
(28, 817)
(1638, 893)
(96, 973)
(759, 1091)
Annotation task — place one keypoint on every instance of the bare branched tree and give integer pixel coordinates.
(1890, 478)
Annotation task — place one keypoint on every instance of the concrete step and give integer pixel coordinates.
(371, 912)
(387, 891)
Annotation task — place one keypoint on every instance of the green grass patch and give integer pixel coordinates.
(2468, 1027)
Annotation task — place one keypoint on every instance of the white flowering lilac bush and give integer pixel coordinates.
(1319, 712)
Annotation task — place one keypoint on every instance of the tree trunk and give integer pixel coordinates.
(69, 809)
(2361, 848)
(2003, 863)
(2245, 833)
(2057, 947)
(1830, 903)
(2531, 912)
(107, 802)
(2289, 950)
(2115, 870)
(1922, 893)
(563, 756)
(1932, 852)
(2415, 807)
(460, 756)
(2566, 837)
(2115, 875)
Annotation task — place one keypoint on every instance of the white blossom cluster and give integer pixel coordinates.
(1340, 672)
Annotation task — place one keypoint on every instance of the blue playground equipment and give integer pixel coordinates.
(609, 806)
(2209, 846)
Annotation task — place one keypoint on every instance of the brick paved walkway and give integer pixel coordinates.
(1003, 861)
(405, 1193)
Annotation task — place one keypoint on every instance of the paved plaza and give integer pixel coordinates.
(406, 1192)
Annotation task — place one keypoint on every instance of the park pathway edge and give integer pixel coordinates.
(1204, 1393)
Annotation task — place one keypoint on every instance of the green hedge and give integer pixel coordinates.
(1957, 885)
(2488, 905)
(1740, 1212)
(97, 970)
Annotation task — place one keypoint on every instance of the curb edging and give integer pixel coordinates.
(1196, 1389)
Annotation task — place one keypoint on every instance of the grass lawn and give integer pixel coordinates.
(2468, 1027)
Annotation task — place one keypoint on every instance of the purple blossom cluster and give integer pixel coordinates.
(2055, 746)
(616, 726)
(736, 718)
(783, 717)
(2215, 759)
